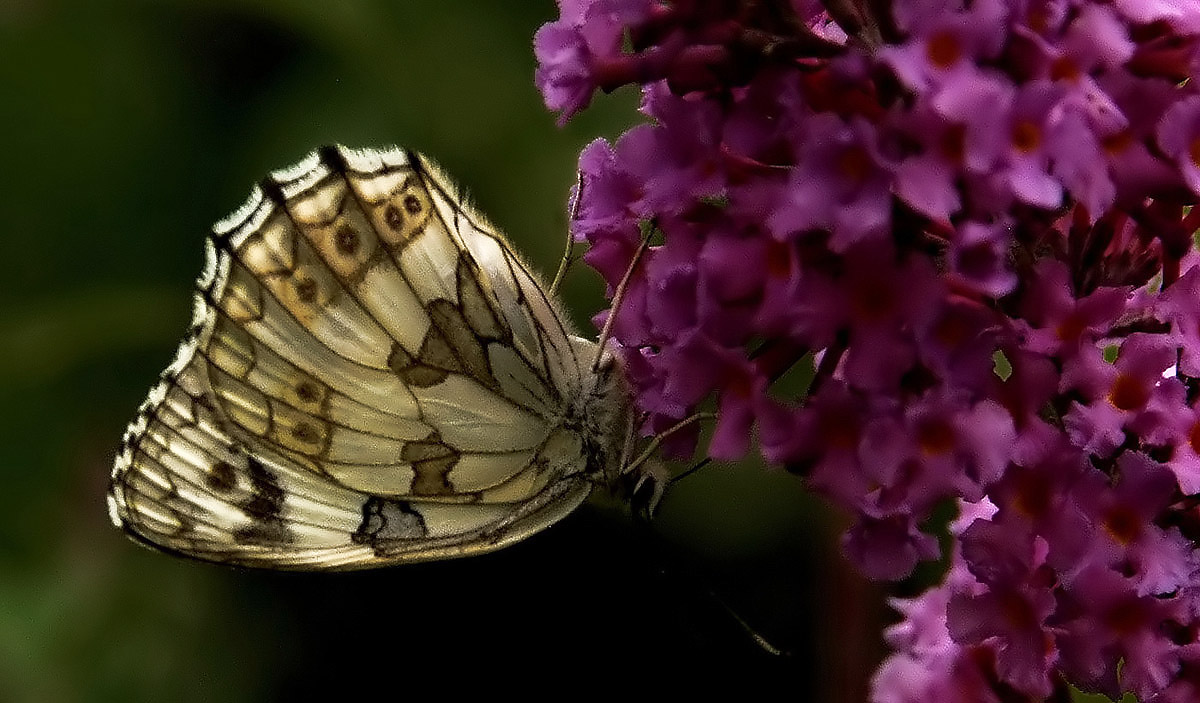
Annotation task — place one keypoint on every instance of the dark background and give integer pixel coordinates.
(128, 127)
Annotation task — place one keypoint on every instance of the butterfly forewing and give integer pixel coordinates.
(538, 331)
(372, 376)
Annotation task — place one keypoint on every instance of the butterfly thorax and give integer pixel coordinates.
(599, 414)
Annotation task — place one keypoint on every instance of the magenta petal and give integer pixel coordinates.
(888, 549)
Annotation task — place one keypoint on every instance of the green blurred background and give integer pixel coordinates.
(129, 126)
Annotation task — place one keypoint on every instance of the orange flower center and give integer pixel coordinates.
(1026, 136)
(1070, 329)
(1117, 143)
(1194, 150)
(1038, 20)
(1122, 524)
(1126, 618)
(1017, 611)
(840, 430)
(1064, 69)
(953, 143)
(1194, 437)
(943, 50)
(951, 331)
(872, 300)
(1033, 494)
(779, 260)
(855, 164)
(1128, 393)
(936, 437)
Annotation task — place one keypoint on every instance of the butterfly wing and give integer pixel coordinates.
(371, 377)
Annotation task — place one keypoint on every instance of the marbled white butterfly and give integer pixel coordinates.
(372, 376)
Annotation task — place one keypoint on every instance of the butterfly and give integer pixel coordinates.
(372, 376)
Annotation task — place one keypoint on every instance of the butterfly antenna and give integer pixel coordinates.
(763, 643)
(673, 568)
(568, 257)
(618, 296)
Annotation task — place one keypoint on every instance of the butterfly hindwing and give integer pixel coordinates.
(372, 376)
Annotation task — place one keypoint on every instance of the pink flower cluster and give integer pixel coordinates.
(974, 217)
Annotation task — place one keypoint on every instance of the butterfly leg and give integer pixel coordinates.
(651, 476)
(658, 439)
